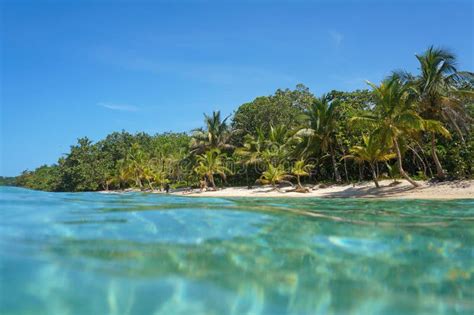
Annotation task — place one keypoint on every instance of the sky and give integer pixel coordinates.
(71, 69)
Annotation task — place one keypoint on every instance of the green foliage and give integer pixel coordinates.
(285, 108)
(8, 181)
(274, 175)
(251, 152)
(43, 178)
(441, 92)
(301, 169)
(424, 119)
(317, 137)
(216, 134)
(458, 156)
(372, 151)
(393, 119)
(210, 163)
(82, 169)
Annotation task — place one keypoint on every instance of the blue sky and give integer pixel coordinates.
(72, 69)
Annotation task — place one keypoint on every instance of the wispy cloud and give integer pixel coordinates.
(119, 107)
(336, 37)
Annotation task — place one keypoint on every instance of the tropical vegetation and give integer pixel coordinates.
(412, 126)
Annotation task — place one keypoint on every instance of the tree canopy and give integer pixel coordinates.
(415, 126)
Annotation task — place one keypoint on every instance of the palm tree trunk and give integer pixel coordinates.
(211, 179)
(425, 160)
(419, 159)
(138, 181)
(149, 184)
(247, 176)
(299, 182)
(400, 166)
(374, 175)
(345, 170)
(439, 169)
(337, 176)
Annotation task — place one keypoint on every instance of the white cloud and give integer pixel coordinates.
(119, 107)
(336, 37)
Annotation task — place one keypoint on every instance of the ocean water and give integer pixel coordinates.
(133, 253)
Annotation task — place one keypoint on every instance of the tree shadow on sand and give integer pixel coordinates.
(369, 192)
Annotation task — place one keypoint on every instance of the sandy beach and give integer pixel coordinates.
(402, 190)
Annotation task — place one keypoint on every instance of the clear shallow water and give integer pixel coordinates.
(92, 253)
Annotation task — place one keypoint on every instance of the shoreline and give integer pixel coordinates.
(450, 190)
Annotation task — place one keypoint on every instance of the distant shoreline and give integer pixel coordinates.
(463, 189)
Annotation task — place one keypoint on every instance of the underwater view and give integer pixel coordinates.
(137, 253)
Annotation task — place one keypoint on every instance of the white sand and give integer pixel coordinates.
(445, 190)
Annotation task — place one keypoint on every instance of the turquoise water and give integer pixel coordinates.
(92, 253)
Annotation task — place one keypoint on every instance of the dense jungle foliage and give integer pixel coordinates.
(412, 126)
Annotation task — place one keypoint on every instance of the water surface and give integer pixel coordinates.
(92, 253)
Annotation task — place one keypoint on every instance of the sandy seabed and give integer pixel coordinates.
(402, 190)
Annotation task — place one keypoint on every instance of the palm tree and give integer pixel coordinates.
(216, 134)
(393, 117)
(160, 177)
(440, 96)
(117, 178)
(300, 168)
(210, 163)
(372, 151)
(123, 175)
(276, 145)
(278, 136)
(251, 151)
(274, 175)
(135, 164)
(320, 131)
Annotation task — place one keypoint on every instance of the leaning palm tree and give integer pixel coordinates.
(210, 163)
(440, 96)
(216, 134)
(274, 175)
(372, 151)
(320, 131)
(393, 118)
(300, 169)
